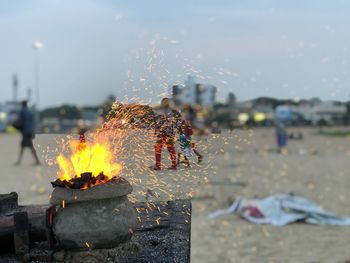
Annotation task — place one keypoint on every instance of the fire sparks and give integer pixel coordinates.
(124, 141)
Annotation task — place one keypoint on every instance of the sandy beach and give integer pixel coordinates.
(241, 163)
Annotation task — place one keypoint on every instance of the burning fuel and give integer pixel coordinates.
(84, 181)
(88, 165)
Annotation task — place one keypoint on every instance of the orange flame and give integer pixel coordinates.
(88, 157)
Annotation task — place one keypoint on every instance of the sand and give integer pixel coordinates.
(241, 163)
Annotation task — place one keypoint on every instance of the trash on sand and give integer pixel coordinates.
(280, 210)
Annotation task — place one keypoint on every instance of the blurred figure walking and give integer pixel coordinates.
(25, 124)
(187, 147)
(165, 137)
(281, 137)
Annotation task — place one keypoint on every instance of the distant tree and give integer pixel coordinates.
(219, 105)
(315, 101)
(62, 112)
(267, 101)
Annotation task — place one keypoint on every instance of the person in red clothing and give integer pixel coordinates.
(165, 137)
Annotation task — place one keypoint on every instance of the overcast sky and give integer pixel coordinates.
(93, 48)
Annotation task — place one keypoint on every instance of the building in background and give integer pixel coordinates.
(329, 112)
(195, 101)
(192, 93)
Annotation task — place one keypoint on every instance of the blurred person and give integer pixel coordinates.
(164, 107)
(281, 136)
(25, 124)
(187, 147)
(186, 150)
(165, 137)
(82, 138)
(192, 114)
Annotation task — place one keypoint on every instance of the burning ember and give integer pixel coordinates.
(89, 164)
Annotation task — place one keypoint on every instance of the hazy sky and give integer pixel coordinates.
(93, 48)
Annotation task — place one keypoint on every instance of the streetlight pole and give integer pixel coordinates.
(36, 46)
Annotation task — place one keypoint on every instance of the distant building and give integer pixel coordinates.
(231, 100)
(194, 93)
(329, 111)
(305, 111)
